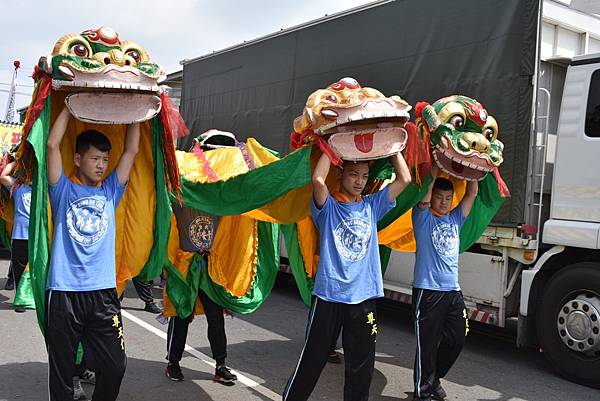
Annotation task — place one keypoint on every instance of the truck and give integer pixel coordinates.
(537, 265)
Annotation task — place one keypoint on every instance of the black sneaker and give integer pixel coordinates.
(224, 375)
(173, 372)
(334, 357)
(9, 285)
(438, 393)
(20, 309)
(88, 376)
(152, 308)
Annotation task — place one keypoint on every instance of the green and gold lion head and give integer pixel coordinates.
(463, 137)
(110, 81)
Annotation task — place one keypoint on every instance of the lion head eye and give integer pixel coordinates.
(457, 121)
(134, 54)
(489, 133)
(332, 98)
(80, 50)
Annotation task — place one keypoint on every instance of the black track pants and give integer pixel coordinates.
(18, 258)
(440, 322)
(144, 290)
(359, 333)
(94, 318)
(178, 329)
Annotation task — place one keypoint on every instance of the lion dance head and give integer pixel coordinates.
(463, 137)
(358, 123)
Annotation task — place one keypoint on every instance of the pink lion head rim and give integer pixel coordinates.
(359, 123)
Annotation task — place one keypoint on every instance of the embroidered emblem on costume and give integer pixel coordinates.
(26, 200)
(87, 220)
(444, 238)
(352, 238)
(201, 232)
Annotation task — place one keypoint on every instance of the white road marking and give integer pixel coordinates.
(204, 358)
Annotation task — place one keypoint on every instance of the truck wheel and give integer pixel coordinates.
(568, 323)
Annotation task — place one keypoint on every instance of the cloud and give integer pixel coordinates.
(169, 31)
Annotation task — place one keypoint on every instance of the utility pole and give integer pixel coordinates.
(10, 105)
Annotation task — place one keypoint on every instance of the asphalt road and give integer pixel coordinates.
(263, 349)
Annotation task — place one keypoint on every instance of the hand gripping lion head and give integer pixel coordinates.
(359, 123)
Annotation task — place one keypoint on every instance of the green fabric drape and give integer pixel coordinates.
(183, 291)
(266, 273)
(162, 211)
(484, 209)
(24, 292)
(251, 190)
(39, 251)
(305, 284)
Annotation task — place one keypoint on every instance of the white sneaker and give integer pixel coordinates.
(78, 393)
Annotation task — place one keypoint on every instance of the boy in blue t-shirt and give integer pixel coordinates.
(438, 305)
(348, 278)
(81, 297)
(20, 193)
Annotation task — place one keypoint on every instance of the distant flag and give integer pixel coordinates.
(10, 106)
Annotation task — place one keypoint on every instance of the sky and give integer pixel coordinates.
(170, 31)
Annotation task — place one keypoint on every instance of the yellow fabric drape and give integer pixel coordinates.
(233, 256)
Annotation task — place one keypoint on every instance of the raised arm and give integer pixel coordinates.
(402, 176)
(470, 194)
(132, 144)
(320, 191)
(53, 157)
(423, 203)
(6, 178)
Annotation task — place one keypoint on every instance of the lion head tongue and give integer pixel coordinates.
(364, 142)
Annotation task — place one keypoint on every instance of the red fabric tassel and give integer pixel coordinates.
(42, 91)
(168, 148)
(176, 123)
(419, 108)
(502, 188)
(416, 153)
(298, 140)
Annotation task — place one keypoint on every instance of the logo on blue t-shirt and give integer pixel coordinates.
(352, 237)
(26, 200)
(87, 220)
(444, 238)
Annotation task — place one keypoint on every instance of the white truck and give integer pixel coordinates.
(538, 264)
(544, 275)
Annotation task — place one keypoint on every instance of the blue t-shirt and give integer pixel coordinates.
(438, 240)
(83, 245)
(349, 269)
(22, 200)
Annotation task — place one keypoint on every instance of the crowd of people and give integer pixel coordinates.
(83, 306)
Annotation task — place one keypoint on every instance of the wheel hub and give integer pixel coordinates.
(578, 324)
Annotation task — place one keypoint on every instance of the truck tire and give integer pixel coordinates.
(568, 323)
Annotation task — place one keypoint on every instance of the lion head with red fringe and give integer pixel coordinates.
(463, 137)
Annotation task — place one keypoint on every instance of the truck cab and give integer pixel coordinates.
(560, 294)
